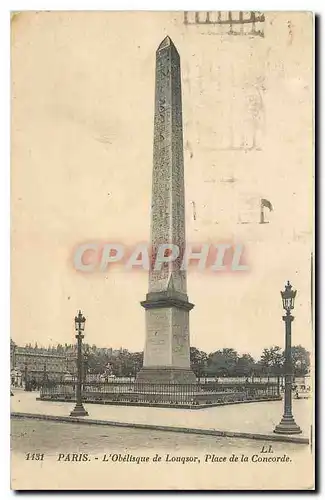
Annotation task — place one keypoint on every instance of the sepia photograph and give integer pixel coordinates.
(162, 250)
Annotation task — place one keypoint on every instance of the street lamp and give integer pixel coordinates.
(288, 424)
(79, 410)
(86, 364)
(26, 381)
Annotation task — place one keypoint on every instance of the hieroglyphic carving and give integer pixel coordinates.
(167, 216)
(158, 348)
(180, 339)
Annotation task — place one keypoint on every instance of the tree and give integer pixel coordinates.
(300, 360)
(97, 361)
(272, 360)
(245, 365)
(137, 361)
(198, 361)
(124, 364)
(223, 362)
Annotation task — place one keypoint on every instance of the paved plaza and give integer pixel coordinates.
(250, 418)
(54, 439)
(47, 437)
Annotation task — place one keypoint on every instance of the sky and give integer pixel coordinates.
(82, 137)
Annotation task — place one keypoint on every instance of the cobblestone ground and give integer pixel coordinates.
(36, 436)
(58, 442)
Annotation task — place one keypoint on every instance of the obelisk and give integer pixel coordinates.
(167, 346)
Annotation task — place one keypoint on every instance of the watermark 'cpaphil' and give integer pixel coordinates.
(220, 257)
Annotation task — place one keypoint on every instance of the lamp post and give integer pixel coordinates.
(86, 364)
(288, 424)
(25, 376)
(79, 410)
(12, 363)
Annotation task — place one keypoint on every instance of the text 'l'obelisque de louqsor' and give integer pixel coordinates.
(167, 346)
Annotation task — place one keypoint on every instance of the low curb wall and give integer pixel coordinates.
(206, 432)
(161, 405)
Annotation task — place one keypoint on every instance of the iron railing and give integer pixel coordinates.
(175, 394)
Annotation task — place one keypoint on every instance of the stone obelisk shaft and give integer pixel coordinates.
(167, 210)
(167, 348)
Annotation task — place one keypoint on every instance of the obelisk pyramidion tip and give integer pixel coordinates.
(167, 42)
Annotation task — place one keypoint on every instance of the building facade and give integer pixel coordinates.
(34, 366)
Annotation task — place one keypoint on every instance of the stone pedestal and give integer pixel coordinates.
(167, 348)
(165, 375)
